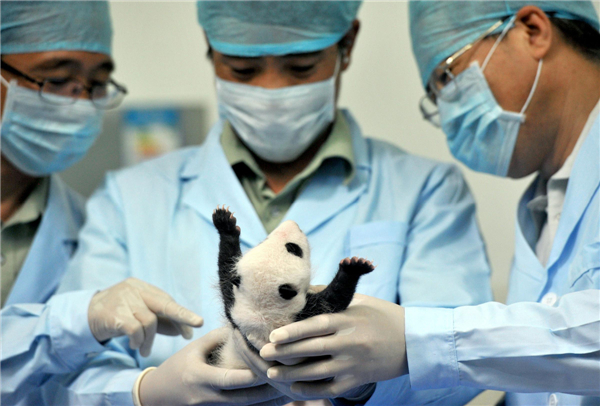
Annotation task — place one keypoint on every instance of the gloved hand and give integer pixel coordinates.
(259, 366)
(364, 343)
(186, 379)
(138, 310)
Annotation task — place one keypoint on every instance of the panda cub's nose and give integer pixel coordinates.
(287, 291)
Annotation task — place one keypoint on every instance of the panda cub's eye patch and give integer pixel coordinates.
(287, 291)
(294, 249)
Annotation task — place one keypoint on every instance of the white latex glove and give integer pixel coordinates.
(259, 366)
(186, 379)
(138, 310)
(363, 344)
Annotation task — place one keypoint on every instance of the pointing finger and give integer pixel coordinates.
(180, 314)
(163, 305)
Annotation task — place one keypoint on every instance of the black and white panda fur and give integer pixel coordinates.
(269, 286)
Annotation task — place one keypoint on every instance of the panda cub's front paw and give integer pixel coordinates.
(225, 222)
(356, 266)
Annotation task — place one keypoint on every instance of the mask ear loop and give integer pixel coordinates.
(535, 83)
(489, 55)
(511, 23)
(8, 86)
(4, 82)
(338, 64)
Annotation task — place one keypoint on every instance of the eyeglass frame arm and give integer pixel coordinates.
(41, 83)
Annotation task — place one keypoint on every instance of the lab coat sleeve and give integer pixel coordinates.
(101, 261)
(446, 263)
(445, 266)
(522, 347)
(39, 340)
(106, 380)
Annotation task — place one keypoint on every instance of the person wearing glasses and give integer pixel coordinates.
(281, 150)
(515, 85)
(56, 70)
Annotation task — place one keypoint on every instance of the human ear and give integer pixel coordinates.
(538, 29)
(2, 99)
(209, 50)
(347, 43)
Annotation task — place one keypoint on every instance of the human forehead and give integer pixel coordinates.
(76, 61)
(297, 57)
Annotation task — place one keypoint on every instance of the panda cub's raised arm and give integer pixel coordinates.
(268, 287)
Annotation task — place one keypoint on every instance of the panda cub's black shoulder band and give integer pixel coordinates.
(337, 296)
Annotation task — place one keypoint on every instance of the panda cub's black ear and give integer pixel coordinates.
(294, 249)
(236, 280)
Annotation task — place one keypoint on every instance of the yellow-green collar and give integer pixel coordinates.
(337, 146)
(33, 207)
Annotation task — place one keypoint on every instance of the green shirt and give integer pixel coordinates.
(18, 233)
(271, 207)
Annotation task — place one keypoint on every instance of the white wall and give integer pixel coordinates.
(160, 54)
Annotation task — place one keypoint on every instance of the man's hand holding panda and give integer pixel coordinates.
(345, 351)
(186, 378)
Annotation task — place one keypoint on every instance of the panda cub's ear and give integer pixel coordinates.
(294, 249)
(236, 280)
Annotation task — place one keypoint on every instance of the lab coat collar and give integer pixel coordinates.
(583, 183)
(361, 150)
(326, 195)
(53, 245)
(525, 266)
(209, 181)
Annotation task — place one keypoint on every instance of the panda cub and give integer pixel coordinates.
(269, 286)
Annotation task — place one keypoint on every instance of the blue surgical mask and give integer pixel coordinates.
(480, 133)
(278, 125)
(40, 138)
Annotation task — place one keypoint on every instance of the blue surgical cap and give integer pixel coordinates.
(440, 28)
(258, 28)
(39, 26)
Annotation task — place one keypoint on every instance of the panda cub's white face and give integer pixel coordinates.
(274, 279)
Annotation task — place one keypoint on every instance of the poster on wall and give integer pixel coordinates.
(150, 132)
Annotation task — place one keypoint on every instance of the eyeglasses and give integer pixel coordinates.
(105, 96)
(443, 77)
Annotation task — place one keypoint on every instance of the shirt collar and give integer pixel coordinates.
(33, 207)
(565, 171)
(559, 181)
(337, 146)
